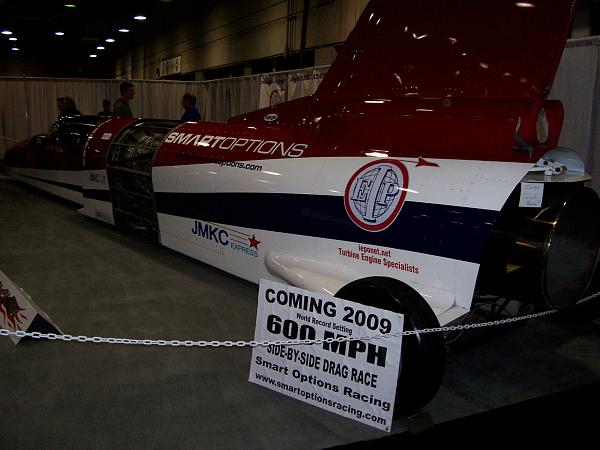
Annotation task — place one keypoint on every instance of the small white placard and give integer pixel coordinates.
(106, 136)
(532, 195)
(356, 379)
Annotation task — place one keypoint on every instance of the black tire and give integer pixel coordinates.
(423, 354)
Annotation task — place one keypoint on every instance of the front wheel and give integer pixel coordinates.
(423, 354)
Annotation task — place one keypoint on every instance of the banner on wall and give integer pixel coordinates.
(170, 66)
(301, 84)
(272, 90)
(355, 379)
(278, 88)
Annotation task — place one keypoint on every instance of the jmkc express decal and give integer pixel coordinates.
(227, 237)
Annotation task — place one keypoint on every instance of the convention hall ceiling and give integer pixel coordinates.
(61, 35)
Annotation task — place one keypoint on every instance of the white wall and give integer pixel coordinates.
(237, 31)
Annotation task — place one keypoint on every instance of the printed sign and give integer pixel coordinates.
(531, 195)
(280, 87)
(17, 309)
(305, 82)
(170, 66)
(272, 90)
(356, 379)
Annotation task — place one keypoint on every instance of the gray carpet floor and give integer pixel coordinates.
(95, 280)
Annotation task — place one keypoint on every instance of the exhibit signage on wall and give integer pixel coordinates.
(356, 379)
(170, 66)
(305, 82)
(281, 87)
(272, 90)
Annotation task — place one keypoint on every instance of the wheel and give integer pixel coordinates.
(423, 354)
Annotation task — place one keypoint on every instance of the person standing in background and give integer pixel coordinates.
(121, 106)
(191, 113)
(106, 112)
(66, 107)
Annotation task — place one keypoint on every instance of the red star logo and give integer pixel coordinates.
(254, 242)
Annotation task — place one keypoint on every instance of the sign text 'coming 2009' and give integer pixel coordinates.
(354, 378)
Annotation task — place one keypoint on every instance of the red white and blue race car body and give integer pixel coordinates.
(405, 167)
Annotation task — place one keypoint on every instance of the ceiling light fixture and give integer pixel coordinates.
(111, 40)
(99, 47)
(525, 5)
(69, 5)
(139, 17)
(123, 30)
(15, 49)
(12, 38)
(6, 32)
(93, 56)
(59, 33)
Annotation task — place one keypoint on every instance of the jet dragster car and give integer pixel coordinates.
(422, 175)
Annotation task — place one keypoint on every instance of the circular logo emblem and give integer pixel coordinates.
(375, 194)
(271, 117)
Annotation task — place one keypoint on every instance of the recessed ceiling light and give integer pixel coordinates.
(93, 56)
(15, 49)
(139, 17)
(123, 30)
(59, 33)
(12, 38)
(6, 32)
(69, 5)
(110, 40)
(525, 5)
(99, 47)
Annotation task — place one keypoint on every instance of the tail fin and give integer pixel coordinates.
(471, 49)
(437, 78)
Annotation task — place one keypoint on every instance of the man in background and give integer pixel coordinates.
(191, 113)
(121, 106)
(106, 112)
(66, 107)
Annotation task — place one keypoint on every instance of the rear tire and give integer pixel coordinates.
(423, 354)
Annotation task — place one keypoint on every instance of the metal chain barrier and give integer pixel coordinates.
(178, 343)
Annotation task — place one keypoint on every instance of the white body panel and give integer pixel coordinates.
(473, 184)
(96, 180)
(317, 263)
(46, 180)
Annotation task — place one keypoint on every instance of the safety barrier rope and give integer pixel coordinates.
(178, 343)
